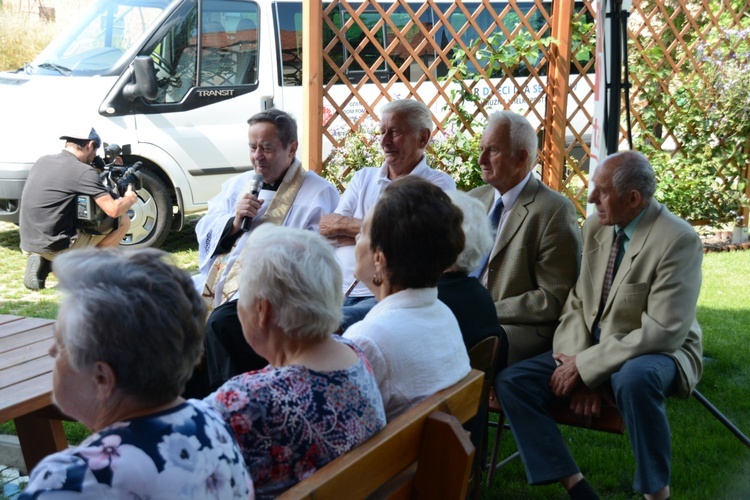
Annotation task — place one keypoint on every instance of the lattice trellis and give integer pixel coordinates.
(663, 35)
(410, 41)
(668, 38)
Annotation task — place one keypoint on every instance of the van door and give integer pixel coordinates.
(207, 59)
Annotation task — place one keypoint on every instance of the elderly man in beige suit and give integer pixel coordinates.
(535, 259)
(628, 330)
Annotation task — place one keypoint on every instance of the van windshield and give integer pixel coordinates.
(103, 35)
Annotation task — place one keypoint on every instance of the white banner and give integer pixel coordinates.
(598, 147)
(604, 65)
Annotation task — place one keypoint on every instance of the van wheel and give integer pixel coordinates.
(151, 216)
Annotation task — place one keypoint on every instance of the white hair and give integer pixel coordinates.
(477, 232)
(297, 273)
(418, 115)
(522, 135)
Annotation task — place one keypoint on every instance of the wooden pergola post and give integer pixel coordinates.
(312, 85)
(553, 146)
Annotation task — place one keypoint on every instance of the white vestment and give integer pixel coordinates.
(316, 197)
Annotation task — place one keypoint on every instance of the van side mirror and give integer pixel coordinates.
(145, 80)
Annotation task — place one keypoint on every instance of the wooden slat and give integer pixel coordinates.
(312, 68)
(12, 327)
(26, 338)
(23, 354)
(6, 318)
(26, 371)
(393, 449)
(443, 437)
(26, 397)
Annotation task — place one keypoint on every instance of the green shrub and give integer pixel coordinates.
(700, 175)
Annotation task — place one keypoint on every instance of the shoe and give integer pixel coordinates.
(37, 270)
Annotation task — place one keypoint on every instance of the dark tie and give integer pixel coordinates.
(611, 264)
(608, 277)
(497, 211)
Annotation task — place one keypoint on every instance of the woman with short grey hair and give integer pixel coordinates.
(128, 335)
(318, 398)
(295, 275)
(464, 295)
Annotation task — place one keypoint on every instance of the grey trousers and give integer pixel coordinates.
(640, 387)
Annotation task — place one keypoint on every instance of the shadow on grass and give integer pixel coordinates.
(9, 237)
(184, 240)
(176, 241)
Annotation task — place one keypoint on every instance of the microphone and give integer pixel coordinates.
(254, 189)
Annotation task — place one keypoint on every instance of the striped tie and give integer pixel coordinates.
(608, 277)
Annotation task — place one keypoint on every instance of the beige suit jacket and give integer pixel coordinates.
(651, 306)
(533, 265)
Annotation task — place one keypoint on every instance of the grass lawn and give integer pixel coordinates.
(708, 461)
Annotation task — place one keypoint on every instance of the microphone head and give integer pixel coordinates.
(256, 183)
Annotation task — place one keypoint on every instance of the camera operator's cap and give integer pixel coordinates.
(84, 134)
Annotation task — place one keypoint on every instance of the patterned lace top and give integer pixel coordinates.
(290, 421)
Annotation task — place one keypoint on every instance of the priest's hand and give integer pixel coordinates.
(248, 206)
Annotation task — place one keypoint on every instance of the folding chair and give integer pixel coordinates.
(609, 420)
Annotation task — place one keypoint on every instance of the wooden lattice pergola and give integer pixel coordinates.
(408, 59)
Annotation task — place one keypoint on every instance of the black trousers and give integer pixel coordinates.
(227, 353)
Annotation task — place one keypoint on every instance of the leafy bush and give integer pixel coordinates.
(360, 149)
(703, 180)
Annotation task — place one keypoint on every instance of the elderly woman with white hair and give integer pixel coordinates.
(464, 295)
(128, 335)
(318, 398)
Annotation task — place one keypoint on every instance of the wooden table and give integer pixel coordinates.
(26, 386)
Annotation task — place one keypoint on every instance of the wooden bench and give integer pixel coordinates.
(26, 386)
(424, 452)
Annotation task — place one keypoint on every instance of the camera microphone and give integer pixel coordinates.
(256, 183)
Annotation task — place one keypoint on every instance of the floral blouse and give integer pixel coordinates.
(184, 452)
(290, 421)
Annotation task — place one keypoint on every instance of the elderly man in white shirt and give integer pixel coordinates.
(405, 130)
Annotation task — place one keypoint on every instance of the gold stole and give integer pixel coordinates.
(275, 214)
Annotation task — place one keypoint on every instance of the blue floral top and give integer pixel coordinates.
(290, 421)
(184, 452)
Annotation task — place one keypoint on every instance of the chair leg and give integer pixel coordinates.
(491, 471)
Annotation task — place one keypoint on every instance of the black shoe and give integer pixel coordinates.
(37, 270)
(582, 490)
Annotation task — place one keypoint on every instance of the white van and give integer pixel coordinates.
(188, 130)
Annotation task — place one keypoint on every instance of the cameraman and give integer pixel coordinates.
(49, 209)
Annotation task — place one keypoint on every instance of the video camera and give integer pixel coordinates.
(116, 178)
